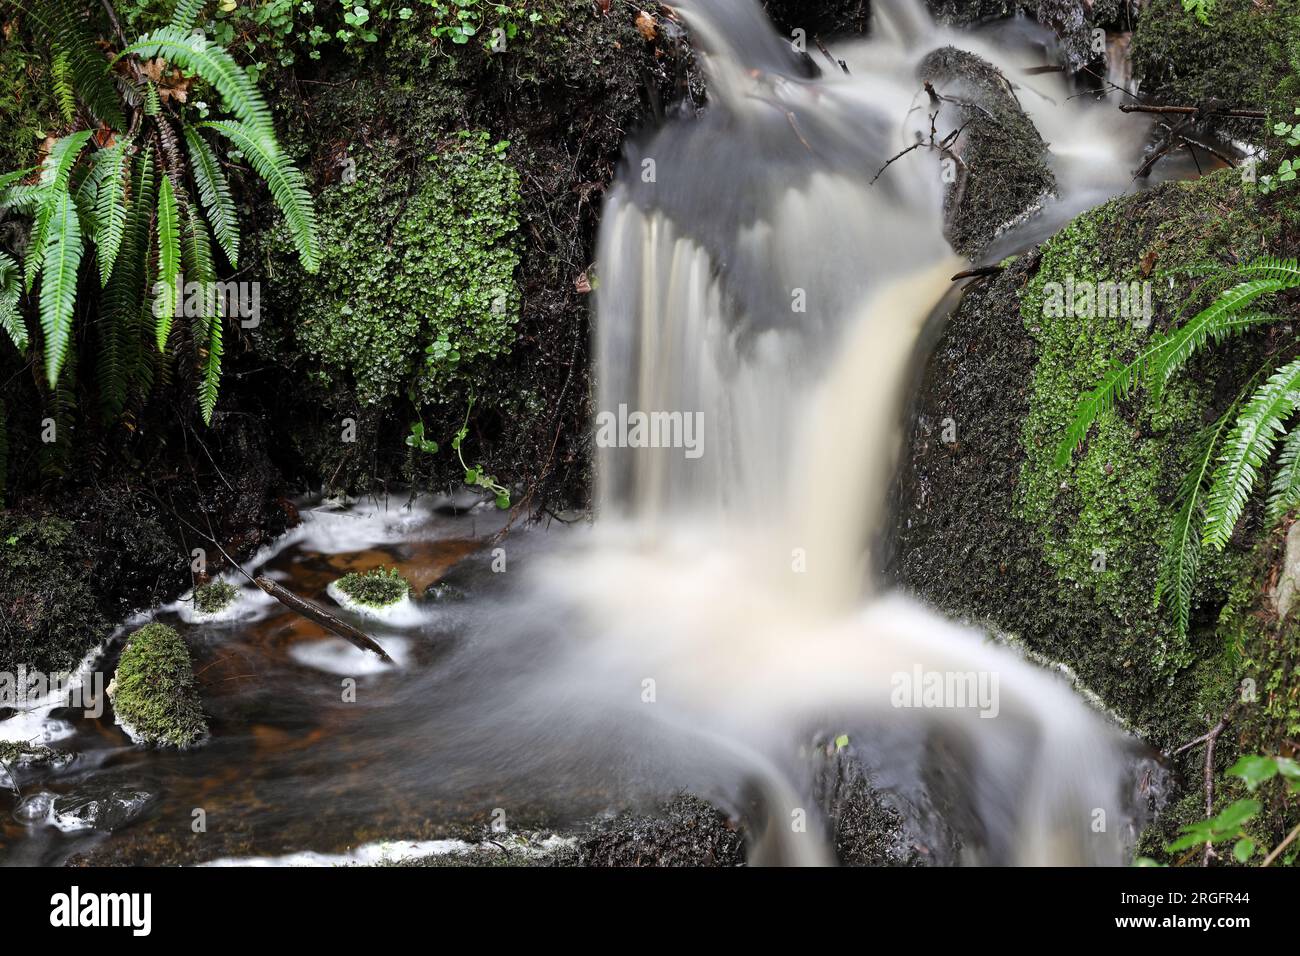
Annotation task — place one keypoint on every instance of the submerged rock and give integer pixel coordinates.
(686, 831)
(153, 692)
(109, 810)
(1001, 171)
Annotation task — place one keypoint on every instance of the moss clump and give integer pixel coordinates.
(417, 284)
(1102, 520)
(49, 613)
(214, 596)
(153, 691)
(378, 588)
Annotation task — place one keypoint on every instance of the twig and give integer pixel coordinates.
(322, 617)
(827, 53)
(1209, 740)
(1191, 110)
(1290, 837)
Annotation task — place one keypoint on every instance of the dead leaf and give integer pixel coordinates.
(603, 5)
(645, 25)
(1149, 262)
(582, 284)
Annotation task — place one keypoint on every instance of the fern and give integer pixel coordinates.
(11, 319)
(1212, 323)
(1117, 384)
(56, 172)
(1284, 493)
(59, 285)
(288, 188)
(62, 29)
(169, 260)
(214, 193)
(212, 63)
(186, 14)
(61, 80)
(1246, 449)
(196, 253)
(110, 207)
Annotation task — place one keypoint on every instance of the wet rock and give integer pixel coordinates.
(1070, 20)
(109, 810)
(998, 169)
(34, 808)
(686, 831)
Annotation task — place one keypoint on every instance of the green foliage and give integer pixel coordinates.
(129, 199)
(417, 290)
(478, 475)
(1289, 133)
(11, 320)
(417, 440)
(216, 595)
(1231, 823)
(1199, 8)
(1211, 503)
(377, 588)
(154, 691)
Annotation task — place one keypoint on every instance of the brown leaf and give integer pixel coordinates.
(1149, 262)
(645, 25)
(603, 5)
(582, 284)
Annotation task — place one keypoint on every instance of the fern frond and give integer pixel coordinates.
(4, 451)
(1117, 384)
(126, 352)
(1271, 267)
(59, 285)
(211, 62)
(169, 260)
(288, 187)
(1246, 449)
(186, 14)
(214, 193)
(61, 80)
(211, 380)
(1181, 558)
(1210, 323)
(11, 320)
(61, 27)
(56, 172)
(110, 207)
(1284, 493)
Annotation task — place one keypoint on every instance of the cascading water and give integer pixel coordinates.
(764, 289)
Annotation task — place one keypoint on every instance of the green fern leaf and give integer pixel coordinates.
(1118, 383)
(1246, 449)
(126, 353)
(211, 62)
(169, 261)
(186, 14)
(110, 207)
(56, 173)
(1284, 493)
(59, 285)
(1211, 323)
(211, 380)
(61, 80)
(61, 28)
(288, 188)
(214, 193)
(11, 319)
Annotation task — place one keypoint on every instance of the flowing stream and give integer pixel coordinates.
(764, 299)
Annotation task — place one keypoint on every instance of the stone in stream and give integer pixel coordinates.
(106, 810)
(1000, 171)
(153, 692)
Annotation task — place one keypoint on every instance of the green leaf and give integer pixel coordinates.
(471, 476)
(214, 193)
(503, 502)
(61, 27)
(11, 319)
(56, 172)
(1254, 770)
(186, 14)
(62, 258)
(1243, 849)
(841, 741)
(169, 261)
(288, 188)
(110, 207)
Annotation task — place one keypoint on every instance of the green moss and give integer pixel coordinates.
(416, 292)
(49, 614)
(1240, 58)
(1103, 520)
(153, 691)
(377, 588)
(214, 596)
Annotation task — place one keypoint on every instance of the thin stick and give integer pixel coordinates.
(322, 617)
(1282, 846)
(1191, 110)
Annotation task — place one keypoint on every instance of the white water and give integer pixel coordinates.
(737, 587)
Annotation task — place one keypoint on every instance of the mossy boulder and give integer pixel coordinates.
(990, 528)
(50, 614)
(154, 694)
(1003, 172)
(214, 597)
(1247, 55)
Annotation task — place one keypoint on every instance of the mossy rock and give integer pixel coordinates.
(989, 528)
(154, 694)
(1003, 172)
(50, 616)
(378, 588)
(214, 597)
(1246, 56)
